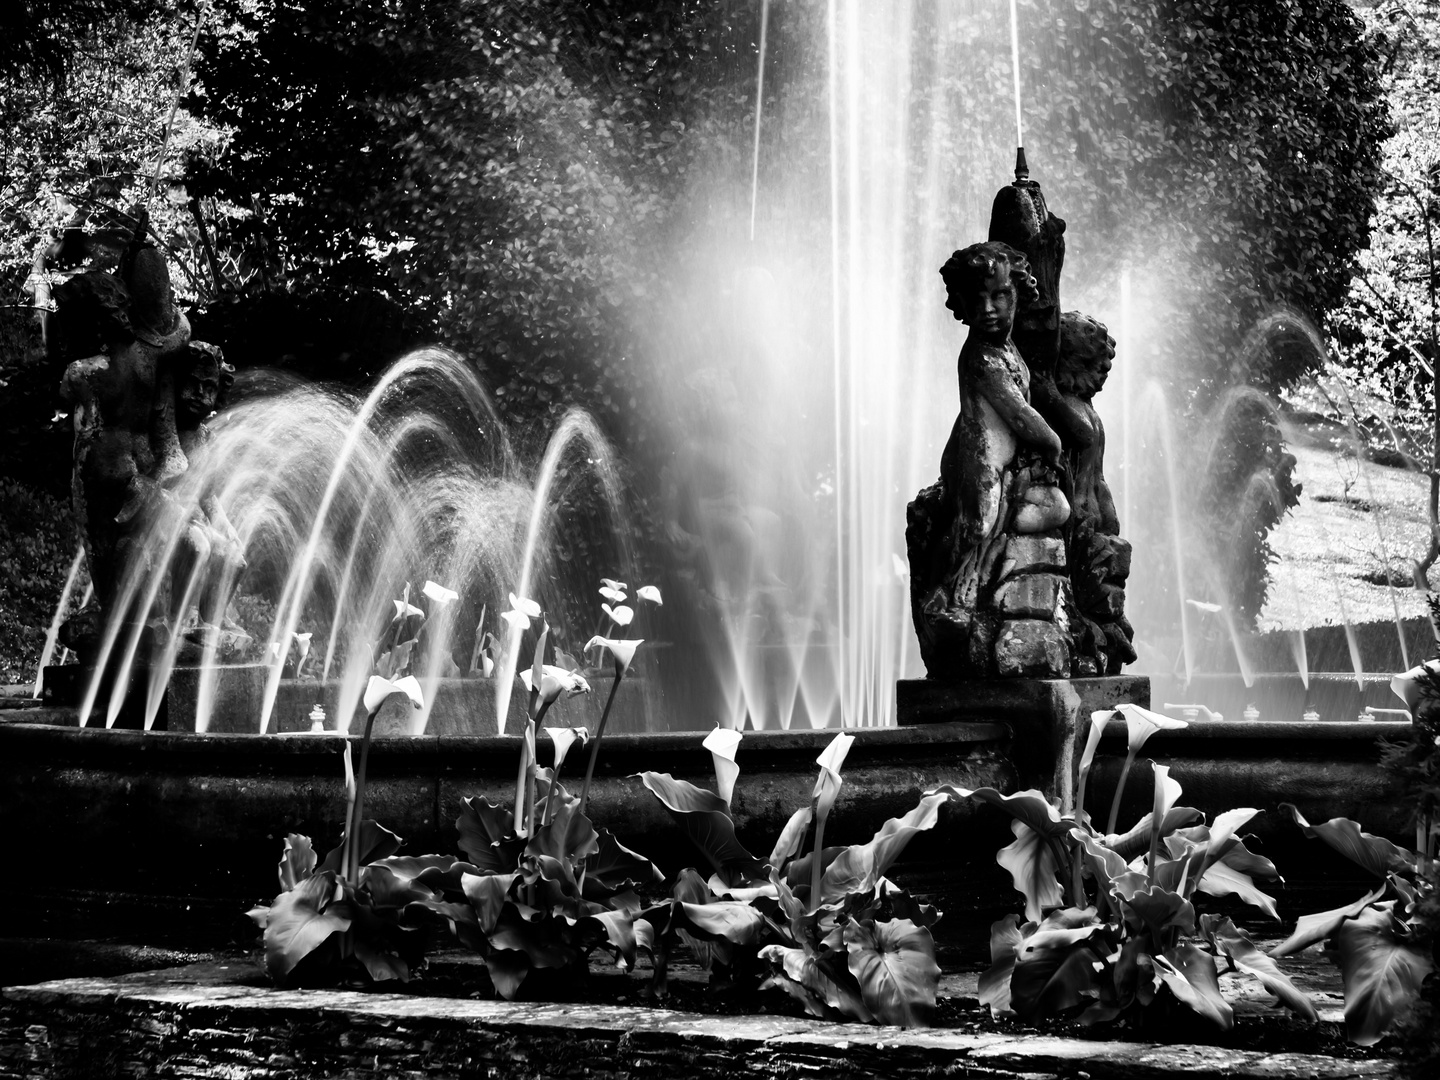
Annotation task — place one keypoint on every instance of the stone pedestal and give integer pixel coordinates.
(1048, 719)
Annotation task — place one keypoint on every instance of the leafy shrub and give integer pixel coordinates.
(1128, 944)
(38, 538)
(835, 933)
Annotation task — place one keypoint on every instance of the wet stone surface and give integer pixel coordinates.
(219, 1018)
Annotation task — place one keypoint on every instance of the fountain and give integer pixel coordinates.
(789, 606)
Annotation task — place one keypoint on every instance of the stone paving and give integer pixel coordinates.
(218, 1019)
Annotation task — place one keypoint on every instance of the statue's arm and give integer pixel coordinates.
(1071, 423)
(999, 387)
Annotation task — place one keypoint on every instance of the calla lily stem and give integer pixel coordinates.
(1119, 790)
(351, 862)
(595, 745)
(817, 870)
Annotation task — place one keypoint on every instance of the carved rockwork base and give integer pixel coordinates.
(1048, 718)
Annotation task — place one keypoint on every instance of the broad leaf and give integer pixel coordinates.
(1164, 913)
(1312, 928)
(1223, 880)
(487, 894)
(1374, 853)
(824, 990)
(487, 835)
(706, 820)
(380, 963)
(1382, 973)
(568, 837)
(1245, 956)
(859, 867)
(618, 928)
(730, 920)
(1054, 981)
(1137, 840)
(508, 969)
(995, 983)
(792, 836)
(389, 890)
(1029, 806)
(1033, 868)
(615, 868)
(297, 861)
(1190, 975)
(300, 922)
(894, 963)
(375, 842)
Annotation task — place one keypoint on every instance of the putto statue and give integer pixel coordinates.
(139, 392)
(1017, 567)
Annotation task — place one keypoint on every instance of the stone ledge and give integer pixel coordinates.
(209, 1019)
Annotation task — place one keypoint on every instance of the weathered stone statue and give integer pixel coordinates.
(119, 337)
(1099, 558)
(210, 551)
(998, 495)
(1017, 565)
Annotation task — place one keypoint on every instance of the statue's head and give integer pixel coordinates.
(1021, 218)
(91, 316)
(1086, 353)
(201, 378)
(984, 285)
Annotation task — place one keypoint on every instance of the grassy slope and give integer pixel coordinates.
(1351, 520)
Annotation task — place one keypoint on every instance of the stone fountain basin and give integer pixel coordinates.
(165, 828)
(159, 826)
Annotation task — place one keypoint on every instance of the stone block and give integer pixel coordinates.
(1031, 648)
(1027, 554)
(1034, 596)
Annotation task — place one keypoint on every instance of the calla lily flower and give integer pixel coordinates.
(439, 593)
(487, 666)
(1098, 720)
(276, 652)
(564, 738)
(520, 603)
(555, 681)
(378, 689)
(622, 651)
(404, 609)
(651, 594)
(615, 596)
(611, 583)
(722, 743)
(518, 620)
(620, 616)
(1408, 687)
(827, 787)
(1167, 791)
(1140, 724)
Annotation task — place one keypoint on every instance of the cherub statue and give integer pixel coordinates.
(998, 473)
(1099, 557)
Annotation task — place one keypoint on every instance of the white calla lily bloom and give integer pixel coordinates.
(611, 583)
(555, 681)
(620, 616)
(530, 608)
(827, 787)
(615, 596)
(1407, 686)
(722, 743)
(564, 738)
(302, 641)
(378, 689)
(404, 609)
(518, 620)
(651, 594)
(487, 666)
(622, 650)
(439, 593)
(1140, 724)
(1167, 792)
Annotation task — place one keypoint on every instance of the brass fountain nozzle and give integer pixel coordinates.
(1022, 171)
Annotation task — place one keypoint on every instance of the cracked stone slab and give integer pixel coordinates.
(216, 1019)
